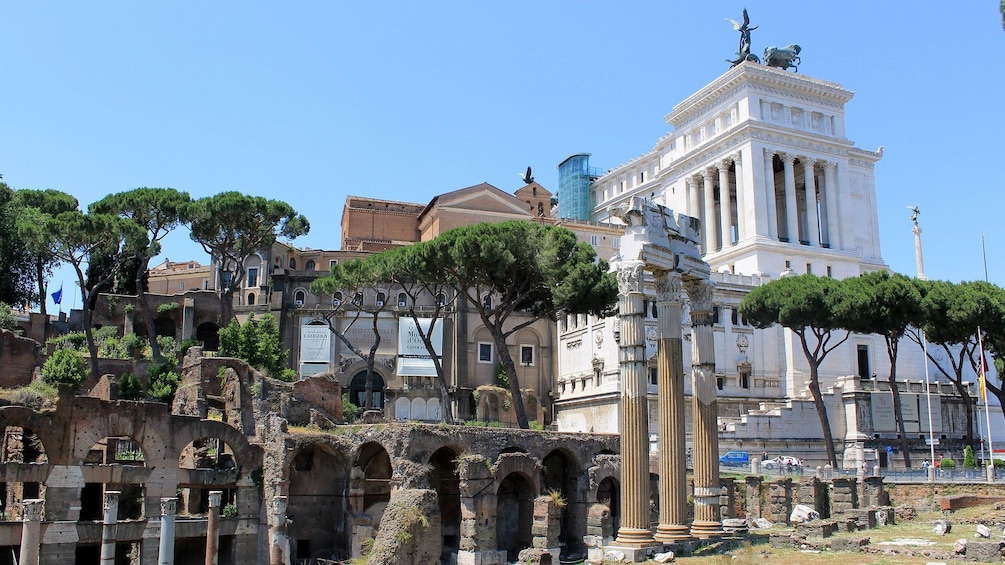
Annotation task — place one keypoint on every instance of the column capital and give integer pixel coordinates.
(630, 276)
(830, 165)
(214, 498)
(668, 286)
(709, 174)
(768, 152)
(787, 158)
(700, 293)
(111, 498)
(279, 505)
(808, 162)
(33, 509)
(724, 163)
(737, 157)
(169, 506)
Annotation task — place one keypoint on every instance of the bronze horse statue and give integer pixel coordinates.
(783, 57)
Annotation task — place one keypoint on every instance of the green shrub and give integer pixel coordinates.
(969, 461)
(133, 345)
(129, 388)
(169, 307)
(65, 366)
(169, 347)
(502, 377)
(7, 319)
(257, 342)
(229, 511)
(947, 463)
(35, 396)
(350, 412)
(185, 345)
(162, 382)
(72, 340)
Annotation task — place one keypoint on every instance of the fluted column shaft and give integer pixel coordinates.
(673, 455)
(706, 434)
(109, 527)
(725, 206)
(769, 189)
(812, 225)
(169, 506)
(830, 194)
(213, 528)
(791, 209)
(741, 208)
(634, 529)
(711, 234)
(693, 198)
(31, 530)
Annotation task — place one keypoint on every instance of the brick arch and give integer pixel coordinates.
(521, 463)
(609, 469)
(187, 429)
(48, 434)
(124, 419)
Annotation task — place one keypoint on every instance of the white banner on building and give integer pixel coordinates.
(413, 357)
(315, 344)
(360, 335)
(883, 419)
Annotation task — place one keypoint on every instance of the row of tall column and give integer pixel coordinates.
(32, 524)
(673, 523)
(797, 216)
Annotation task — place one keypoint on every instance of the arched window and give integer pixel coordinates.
(487, 301)
(337, 300)
(310, 266)
(441, 299)
(293, 263)
(299, 297)
(402, 300)
(251, 298)
(358, 299)
(381, 297)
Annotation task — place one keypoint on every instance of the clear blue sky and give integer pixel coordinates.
(311, 101)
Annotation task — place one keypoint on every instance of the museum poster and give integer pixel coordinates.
(315, 344)
(413, 357)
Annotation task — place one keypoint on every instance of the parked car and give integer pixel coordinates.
(783, 462)
(735, 459)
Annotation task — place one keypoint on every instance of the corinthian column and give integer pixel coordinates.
(31, 529)
(634, 531)
(741, 200)
(769, 193)
(693, 206)
(830, 195)
(706, 434)
(673, 457)
(725, 209)
(791, 210)
(711, 234)
(812, 227)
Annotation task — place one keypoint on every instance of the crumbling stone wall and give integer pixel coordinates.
(409, 531)
(19, 357)
(844, 495)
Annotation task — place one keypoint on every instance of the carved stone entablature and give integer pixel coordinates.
(573, 343)
(712, 152)
(630, 277)
(797, 144)
(791, 95)
(862, 163)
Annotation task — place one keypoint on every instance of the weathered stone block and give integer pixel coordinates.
(985, 551)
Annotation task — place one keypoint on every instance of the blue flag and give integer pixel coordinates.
(57, 297)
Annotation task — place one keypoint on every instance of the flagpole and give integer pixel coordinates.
(928, 395)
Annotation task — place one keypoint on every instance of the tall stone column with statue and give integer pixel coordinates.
(706, 434)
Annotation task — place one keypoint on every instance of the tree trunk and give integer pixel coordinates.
(145, 313)
(40, 278)
(514, 383)
(369, 365)
(891, 349)
(818, 401)
(92, 348)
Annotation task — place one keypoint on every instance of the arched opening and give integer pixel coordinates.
(446, 482)
(299, 297)
(402, 300)
(402, 409)
(336, 300)
(514, 514)
(293, 263)
(318, 479)
(208, 335)
(370, 490)
(121, 450)
(310, 265)
(609, 494)
(559, 475)
(208, 453)
(164, 327)
(251, 298)
(357, 390)
(418, 409)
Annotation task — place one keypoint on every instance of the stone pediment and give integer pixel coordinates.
(482, 198)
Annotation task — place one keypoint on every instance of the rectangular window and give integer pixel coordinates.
(829, 273)
(332, 263)
(863, 361)
(715, 314)
(745, 379)
(181, 287)
(527, 355)
(484, 352)
(594, 240)
(205, 284)
(809, 269)
(617, 243)
(252, 277)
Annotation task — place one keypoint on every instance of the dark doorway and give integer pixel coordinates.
(357, 390)
(514, 515)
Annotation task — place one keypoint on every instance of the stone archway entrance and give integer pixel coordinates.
(514, 515)
(445, 480)
(208, 334)
(357, 390)
(609, 494)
